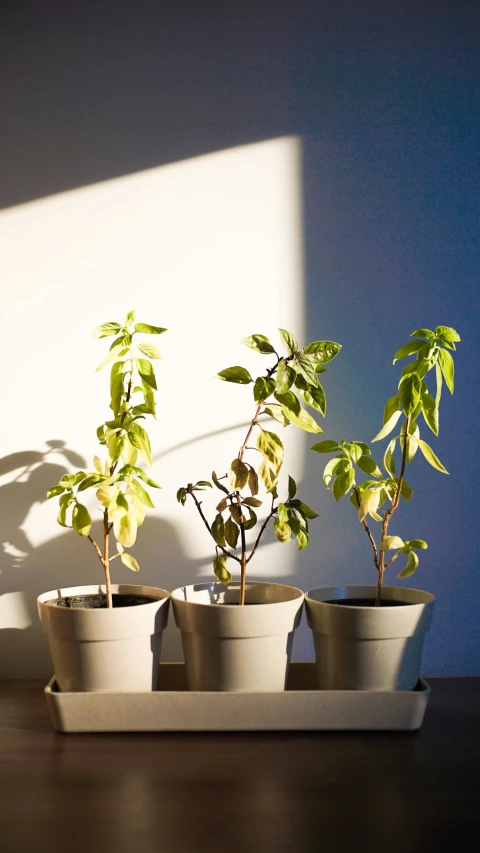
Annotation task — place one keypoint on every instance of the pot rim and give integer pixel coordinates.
(178, 594)
(47, 599)
(364, 591)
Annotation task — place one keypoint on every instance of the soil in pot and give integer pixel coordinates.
(365, 602)
(96, 601)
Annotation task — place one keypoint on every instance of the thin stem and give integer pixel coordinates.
(243, 560)
(262, 530)
(106, 561)
(389, 512)
(200, 510)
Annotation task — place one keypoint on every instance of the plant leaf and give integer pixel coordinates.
(296, 414)
(238, 474)
(269, 444)
(285, 377)
(289, 340)
(219, 484)
(343, 483)
(411, 566)
(125, 529)
(142, 494)
(239, 375)
(54, 491)
(263, 389)
(220, 569)
(312, 395)
(149, 350)
(282, 530)
(292, 488)
(408, 349)
(147, 329)
(107, 329)
(448, 332)
(388, 460)
(391, 406)
(130, 562)
(324, 350)
(387, 428)
(430, 412)
(429, 455)
(140, 440)
(147, 373)
(260, 343)
(423, 333)
(369, 466)
(218, 530)
(252, 481)
(409, 392)
(81, 520)
(231, 531)
(327, 446)
(390, 543)
(446, 363)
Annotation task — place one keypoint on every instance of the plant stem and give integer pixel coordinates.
(200, 510)
(386, 519)
(106, 560)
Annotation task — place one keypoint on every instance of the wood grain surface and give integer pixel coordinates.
(239, 793)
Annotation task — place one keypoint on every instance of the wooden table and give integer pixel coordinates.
(240, 793)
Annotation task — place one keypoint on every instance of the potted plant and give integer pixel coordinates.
(228, 643)
(371, 638)
(108, 637)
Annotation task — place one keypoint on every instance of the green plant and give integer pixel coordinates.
(291, 378)
(431, 350)
(117, 477)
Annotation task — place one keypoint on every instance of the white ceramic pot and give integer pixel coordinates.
(106, 650)
(231, 648)
(368, 648)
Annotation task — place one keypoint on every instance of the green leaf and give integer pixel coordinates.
(409, 392)
(54, 491)
(146, 372)
(122, 341)
(289, 340)
(370, 502)
(263, 388)
(295, 413)
(182, 496)
(305, 364)
(106, 330)
(337, 465)
(117, 389)
(324, 350)
(306, 510)
(343, 484)
(448, 332)
(218, 530)
(269, 444)
(430, 412)
(411, 566)
(276, 412)
(130, 562)
(390, 543)
(285, 377)
(238, 474)
(282, 513)
(327, 446)
(438, 376)
(313, 396)
(81, 520)
(445, 361)
(260, 343)
(112, 356)
(149, 350)
(222, 505)
(140, 440)
(239, 375)
(423, 333)
(268, 475)
(292, 488)
(408, 349)
(146, 479)
(430, 457)
(252, 502)
(65, 502)
(220, 569)
(231, 531)
(388, 460)
(387, 428)
(129, 318)
(251, 521)
(391, 406)
(369, 466)
(417, 543)
(407, 491)
(204, 483)
(147, 329)
(252, 481)
(219, 484)
(92, 480)
(302, 539)
(125, 529)
(282, 530)
(142, 494)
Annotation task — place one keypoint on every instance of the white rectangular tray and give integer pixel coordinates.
(300, 708)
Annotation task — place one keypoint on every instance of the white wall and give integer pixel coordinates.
(211, 248)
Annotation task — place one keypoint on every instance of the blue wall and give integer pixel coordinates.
(385, 97)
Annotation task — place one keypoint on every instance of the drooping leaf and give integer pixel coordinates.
(125, 529)
(252, 502)
(220, 569)
(130, 562)
(369, 466)
(182, 496)
(446, 363)
(113, 355)
(147, 329)
(430, 412)
(369, 503)
(283, 531)
(411, 566)
(388, 460)
(343, 483)
(238, 474)
(285, 377)
(260, 343)
(251, 521)
(222, 505)
(263, 389)
(239, 375)
(219, 484)
(146, 372)
(268, 475)
(81, 520)
(296, 414)
(417, 543)
(142, 494)
(231, 532)
(282, 512)
(305, 510)
(252, 481)
(140, 440)
(269, 444)
(429, 455)
(391, 406)
(289, 340)
(313, 396)
(292, 488)
(218, 530)
(337, 465)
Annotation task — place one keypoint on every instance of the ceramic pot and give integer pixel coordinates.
(367, 647)
(231, 648)
(105, 650)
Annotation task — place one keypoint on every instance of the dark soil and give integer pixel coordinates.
(98, 601)
(365, 602)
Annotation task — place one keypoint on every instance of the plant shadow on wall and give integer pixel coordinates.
(27, 570)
